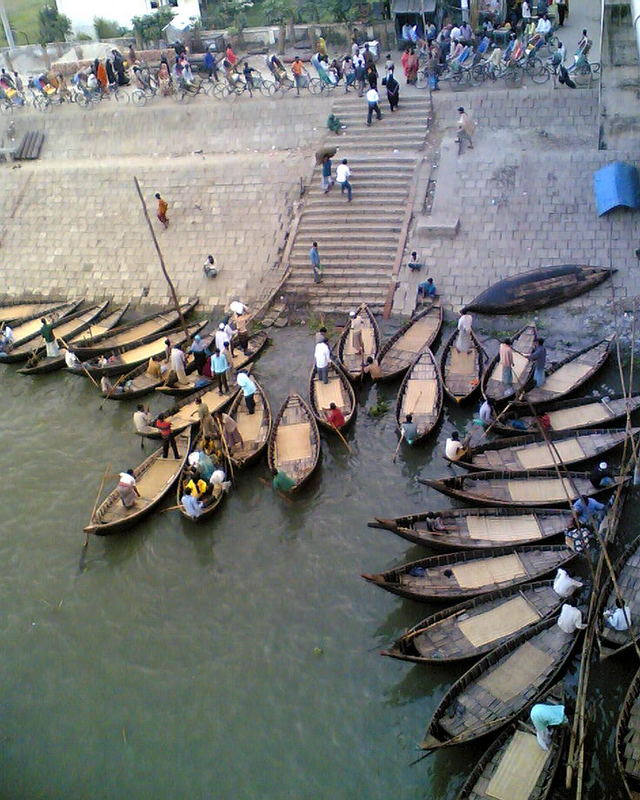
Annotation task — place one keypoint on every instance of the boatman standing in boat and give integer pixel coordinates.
(506, 362)
(409, 429)
(463, 342)
(357, 326)
(544, 716)
(48, 334)
(164, 426)
(127, 489)
(248, 390)
(539, 358)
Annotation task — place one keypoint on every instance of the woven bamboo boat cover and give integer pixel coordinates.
(536, 456)
(519, 769)
(581, 415)
(293, 442)
(520, 365)
(538, 490)
(504, 529)
(564, 378)
(632, 742)
(327, 393)
(249, 424)
(144, 329)
(186, 414)
(156, 477)
(414, 339)
(487, 571)
(461, 363)
(367, 339)
(499, 622)
(521, 670)
(142, 352)
(415, 388)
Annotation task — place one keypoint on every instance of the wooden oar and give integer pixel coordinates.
(171, 508)
(95, 505)
(395, 455)
(346, 443)
(117, 383)
(89, 375)
(226, 449)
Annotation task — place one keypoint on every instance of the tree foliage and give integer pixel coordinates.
(150, 26)
(277, 12)
(107, 28)
(54, 26)
(229, 13)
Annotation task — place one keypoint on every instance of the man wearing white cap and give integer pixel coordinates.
(221, 338)
(602, 476)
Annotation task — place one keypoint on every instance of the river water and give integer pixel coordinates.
(234, 660)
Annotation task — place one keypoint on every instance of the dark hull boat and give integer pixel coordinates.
(27, 331)
(461, 372)
(627, 571)
(294, 444)
(338, 390)
(255, 429)
(492, 386)
(421, 395)
(398, 353)
(349, 359)
(539, 288)
(628, 740)
(16, 313)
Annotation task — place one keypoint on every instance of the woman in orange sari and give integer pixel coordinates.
(101, 75)
(411, 70)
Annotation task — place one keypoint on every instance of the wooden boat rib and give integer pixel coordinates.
(627, 570)
(255, 429)
(627, 743)
(351, 361)
(532, 451)
(420, 394)
(15, 314)
(526, 488)
(294, 444)
(477, 626)
(501, 685)
(570, 373)
(400, 351)
(127, 359)
(256, 344)
(583, 412)
(515, 765)
(479, 528)
(454, 576)
(538, 288)
(212, 504)
(134, 333)
(492, 387)
(338, 390)
(27, 331)
(461, 372)
(155, 477)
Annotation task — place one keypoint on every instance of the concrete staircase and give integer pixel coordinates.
(360, 241)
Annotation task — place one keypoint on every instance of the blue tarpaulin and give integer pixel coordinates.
(617, 184)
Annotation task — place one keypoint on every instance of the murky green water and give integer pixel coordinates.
(238, 659)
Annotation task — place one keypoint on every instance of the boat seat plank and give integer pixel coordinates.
(422, 391)
(519, 770)
(488, 571)
(327, 393)
(503, 529)
(461, 363)
(538, 456)
(293, 442)
(538, 490)
(501, 621)
(521, 670)
(249, 424)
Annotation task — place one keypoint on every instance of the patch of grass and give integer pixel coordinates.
(23, 16)
(315, 323)
(378, 409)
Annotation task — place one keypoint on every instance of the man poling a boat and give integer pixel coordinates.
(545, 716)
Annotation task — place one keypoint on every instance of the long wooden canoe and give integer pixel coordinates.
(454, 576)
(400, 351)
(131, 357)
(294, 444)
(538, 288)
(421, 395)
(515, 765)
(16, 313)
(582, 412)
(338, 390)
(476, 627)
(571, 373)
(154, 478)
(461, 372)
(492, 387)
(255, 429)
(627, 570)
(479, 528)
(135, 333)
(28, 330)
(214, 501)
(532, 451)
(527, 488)
(351, 361)
(138, 383)
(256, 344)
(70, 324)
(628, 739)
(501, 685)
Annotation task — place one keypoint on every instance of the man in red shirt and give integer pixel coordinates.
(164, 426)
(335, 417)
(232, 58)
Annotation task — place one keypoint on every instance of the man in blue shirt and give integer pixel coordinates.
(191, 505)
(539, 358)
(248, 390)
(589, 510)
(219, 367)
(314, 257)
(426, 289)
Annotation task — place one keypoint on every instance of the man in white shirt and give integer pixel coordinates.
(178, 363)
(322, 357)
(486, 413)
(453, 448)
(221, 338)
(343, 173)
(455, 34)
(564, 585)
(466, 127)
(618, 619)
(71, 359)
(570, 619)
(544, 26)
(372, 105)
(142, 420)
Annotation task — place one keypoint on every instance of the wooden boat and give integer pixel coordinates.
(532, 451)
(477, 626)
(501, 685)
(351, 361)
(128, 358)
(255, 345)
(479, 528)
(338, 390)
(461, 372)
(515, 766)
(398, 353)
(420, 394)
(567, 376)
(255, 429)
(294, 443)
(16, 313)
(538, 288)
(454, 576)
(138, 383)
(527, 488)
(212, 504)
(492, 386)
(28, 330)
(627, 570)
(154, 478)
(134, 333)
(58, 362)
(72, 323)
(583, 412)
(628, 739)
